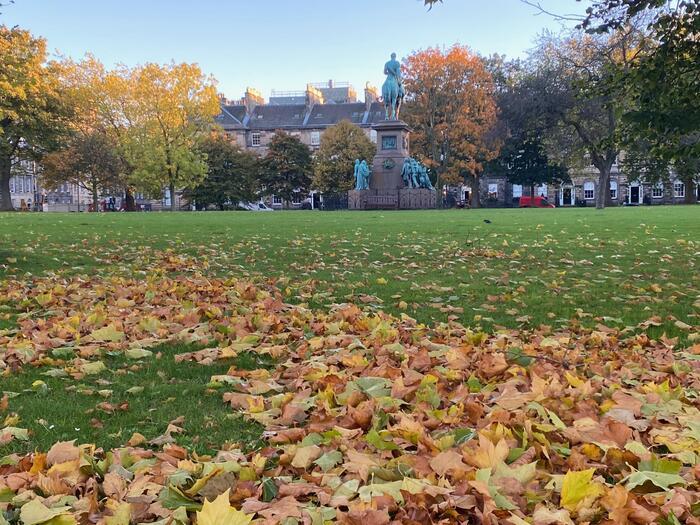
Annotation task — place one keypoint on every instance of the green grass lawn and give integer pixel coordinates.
(617, 267)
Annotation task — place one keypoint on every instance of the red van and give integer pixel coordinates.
(535, 202)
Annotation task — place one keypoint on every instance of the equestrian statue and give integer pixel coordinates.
(392, 90)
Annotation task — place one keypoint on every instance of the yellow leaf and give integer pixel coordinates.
(577, 486)
(573, 380)
(34, 513)
(121, 513)
(201, 482)
(489, 455)
(220, 512)
(108, 333)
(44, 299)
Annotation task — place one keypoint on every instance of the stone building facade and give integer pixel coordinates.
(251, 123)
(583, 191)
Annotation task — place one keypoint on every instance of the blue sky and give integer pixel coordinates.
(278, 44)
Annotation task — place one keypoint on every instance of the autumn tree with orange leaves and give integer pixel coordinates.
(451, 108)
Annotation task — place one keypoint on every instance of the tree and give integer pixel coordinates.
(524, 161)
(334, 163)
(569, 86)
(33, 116)
(173, 111)
(90, 161)
(662, 84)
(287, 167)
(645, 164)
(231, 174)
(451, 107)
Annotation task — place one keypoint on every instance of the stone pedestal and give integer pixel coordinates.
(386, 187)
(417, 199)
(392, 149)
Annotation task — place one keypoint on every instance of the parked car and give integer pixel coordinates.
(535, 202)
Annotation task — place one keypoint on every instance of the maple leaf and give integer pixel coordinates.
(488, 455)
(35, 513)
(577, 487)
(108, 333)
(220, 512)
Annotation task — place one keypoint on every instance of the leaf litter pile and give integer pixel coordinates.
(369, 419)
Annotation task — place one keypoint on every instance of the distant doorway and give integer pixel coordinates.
(566, 197)
(635, 195)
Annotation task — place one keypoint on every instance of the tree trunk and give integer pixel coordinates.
(95, 197)
(476, 197)
(173, 207)
(532, 191)
(603, 197)
(689, 191)
(5, 174)
(130, 202)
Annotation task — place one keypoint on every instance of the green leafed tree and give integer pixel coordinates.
(173, 111)
(33, 116)
(334, 164)
(662, 85)
(287, 167)
(524, 161)
(232, 175)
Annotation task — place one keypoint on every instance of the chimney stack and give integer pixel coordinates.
(371, 95)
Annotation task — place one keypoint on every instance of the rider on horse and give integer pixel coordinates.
(392, 90)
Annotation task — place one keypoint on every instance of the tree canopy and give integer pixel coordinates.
(231, 174)
(33, 115)
(287, 167)
(341, 145)
(90, 161)
(452, 110)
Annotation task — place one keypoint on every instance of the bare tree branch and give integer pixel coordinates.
(561, 17)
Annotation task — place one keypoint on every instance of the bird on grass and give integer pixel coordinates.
(487, 221)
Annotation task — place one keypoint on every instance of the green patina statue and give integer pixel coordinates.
(415, 174)
(392, 90)
(362, 175)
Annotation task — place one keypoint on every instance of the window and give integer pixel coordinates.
(657, 191)
(541, 190)
(255, 139)
(588, 191)
(296, 198)
(679, 189)
(517, 191)
(315, 138)
(373, 136)
(493, 191)
(276, 199)
(613, 190)
(12, 185)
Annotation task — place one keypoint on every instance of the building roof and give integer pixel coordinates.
(323, 115)
(299, 116)
(238, 111)
(277, 117)
(231, 117)
(376, 113)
